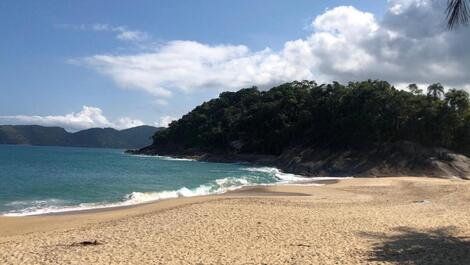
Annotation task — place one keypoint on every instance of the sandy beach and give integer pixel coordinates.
(355, 221)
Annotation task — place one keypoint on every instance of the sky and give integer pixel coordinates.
(82, 64)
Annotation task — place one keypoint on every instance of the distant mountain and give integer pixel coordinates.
(136, 137)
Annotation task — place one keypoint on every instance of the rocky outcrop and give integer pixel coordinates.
(379, 160)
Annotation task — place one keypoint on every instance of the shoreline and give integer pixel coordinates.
(268, 190)
(351, 221)
(112, 207)
(17, 225)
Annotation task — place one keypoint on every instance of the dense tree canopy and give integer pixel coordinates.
(333, 115)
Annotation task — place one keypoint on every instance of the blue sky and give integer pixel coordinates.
(123, 60)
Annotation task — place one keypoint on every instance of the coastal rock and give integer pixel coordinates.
(379, 160)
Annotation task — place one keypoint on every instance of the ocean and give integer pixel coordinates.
(42, 179)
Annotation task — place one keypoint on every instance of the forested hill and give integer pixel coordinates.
(333, 117)
(136, 137)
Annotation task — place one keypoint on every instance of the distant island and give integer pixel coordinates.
(367, 128)
(136, 137)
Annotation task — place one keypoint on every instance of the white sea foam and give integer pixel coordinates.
(36, 203)
(174, 158)
(281, 176)
(288, 178)
(168, 158)
(38, 208)
(221, 186)
(217, 186)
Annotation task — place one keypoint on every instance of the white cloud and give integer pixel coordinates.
(165, 121)
(189, 65)
(134, 35)
(409, 44)
(122, 32)
(126, 122)
(346, 21)
(88, 117)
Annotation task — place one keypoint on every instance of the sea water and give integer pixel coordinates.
(39, 179)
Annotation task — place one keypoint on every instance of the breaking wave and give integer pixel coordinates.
(258, 176)
(38, 207)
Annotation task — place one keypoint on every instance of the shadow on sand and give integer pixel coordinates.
(409, 246)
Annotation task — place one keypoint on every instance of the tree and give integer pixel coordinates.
(458, 13)
(413, 88)
(458, 100)
(435, 91)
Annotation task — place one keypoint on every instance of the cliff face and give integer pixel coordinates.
(379, 160)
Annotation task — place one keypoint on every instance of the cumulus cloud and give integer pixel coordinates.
(165, 121)
(189, 65)
(409, 44)
(88, 117)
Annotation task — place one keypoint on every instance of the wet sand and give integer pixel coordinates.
(355, 221)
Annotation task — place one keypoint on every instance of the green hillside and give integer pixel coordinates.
(339, 116)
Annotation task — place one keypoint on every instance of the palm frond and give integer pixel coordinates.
(457, 13)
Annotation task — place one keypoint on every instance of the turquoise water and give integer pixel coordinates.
(38, 180)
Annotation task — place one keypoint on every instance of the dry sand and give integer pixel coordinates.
(358, 221)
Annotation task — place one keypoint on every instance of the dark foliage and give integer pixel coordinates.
(333, 115)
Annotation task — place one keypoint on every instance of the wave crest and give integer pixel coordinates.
(217, 186)
(265, 176)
